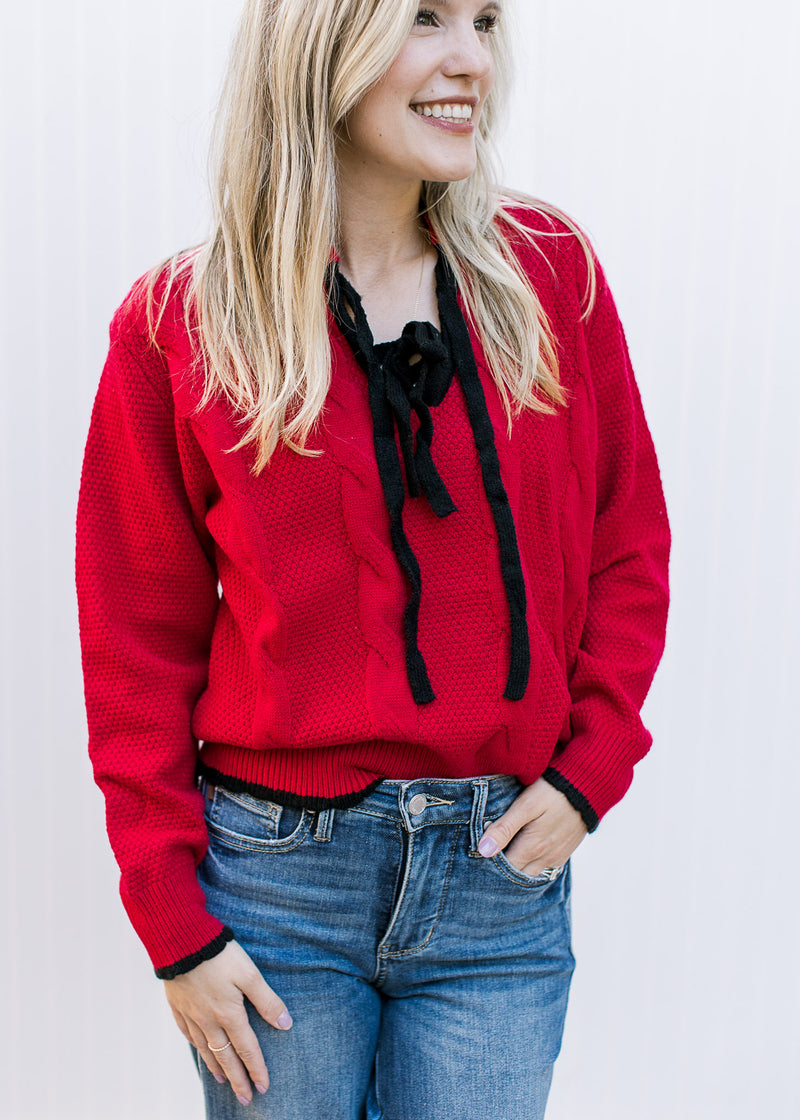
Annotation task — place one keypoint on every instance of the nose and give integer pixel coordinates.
(468, 53)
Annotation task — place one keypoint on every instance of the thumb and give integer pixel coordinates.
(502, 831)
(267, 1003)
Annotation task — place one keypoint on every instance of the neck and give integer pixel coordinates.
(380, 232)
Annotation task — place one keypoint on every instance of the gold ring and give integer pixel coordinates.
(219, 1049)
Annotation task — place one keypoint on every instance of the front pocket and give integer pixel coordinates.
(502, 865)
(505, 865)
(251, 824)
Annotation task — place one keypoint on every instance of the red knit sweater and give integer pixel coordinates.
(263, 617)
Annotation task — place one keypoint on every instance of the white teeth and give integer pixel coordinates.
(456, 112)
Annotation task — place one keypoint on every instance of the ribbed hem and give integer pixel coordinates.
(186, 964)
(282, 796)
(317, 777)
(574, 796)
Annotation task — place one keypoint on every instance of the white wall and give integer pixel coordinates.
(670, 132)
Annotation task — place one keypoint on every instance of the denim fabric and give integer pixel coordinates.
(425, 981)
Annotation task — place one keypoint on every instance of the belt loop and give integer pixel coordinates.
(323, 829)
(208, 790)
(480, 793)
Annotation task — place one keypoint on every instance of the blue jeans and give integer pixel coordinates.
(425, 981)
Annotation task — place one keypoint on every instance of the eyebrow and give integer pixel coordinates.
(492, 5)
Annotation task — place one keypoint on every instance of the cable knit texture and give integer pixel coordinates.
(261, 619)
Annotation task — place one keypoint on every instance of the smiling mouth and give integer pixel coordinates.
(444, 111)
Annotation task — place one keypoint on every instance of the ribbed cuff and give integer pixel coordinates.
(594, 773)
(574, 796)
(186, 964)
(169, 914)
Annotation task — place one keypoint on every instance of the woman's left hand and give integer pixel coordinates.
(541, 828)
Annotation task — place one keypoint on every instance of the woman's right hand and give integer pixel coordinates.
(208, 1005)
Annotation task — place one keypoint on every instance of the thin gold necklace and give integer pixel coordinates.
(419, 285)
(421, 274)
(412, 361)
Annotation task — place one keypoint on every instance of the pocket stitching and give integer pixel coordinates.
(507, 868)
(255, 844)
(260, 807)
(263, 810)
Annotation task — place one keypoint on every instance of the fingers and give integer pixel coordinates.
(227, 1044)
(238, 1062)
(267, 1003)
(208, 1005)
(242, 1062)
(200, 1043)
(504, 829)
(532, 853)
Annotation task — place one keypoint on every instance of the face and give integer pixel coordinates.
(446, 69)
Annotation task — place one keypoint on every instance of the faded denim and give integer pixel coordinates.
(425, 981)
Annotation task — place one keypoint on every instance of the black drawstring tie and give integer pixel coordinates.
(419, 387)
(395, 387)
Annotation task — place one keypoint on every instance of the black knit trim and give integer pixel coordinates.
(280, 796)
(389, 406)
(394, 493)
(510, 563)
(186, 964)
(380, 393)
(574, 796)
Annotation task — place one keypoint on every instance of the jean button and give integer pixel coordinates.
(417, 804)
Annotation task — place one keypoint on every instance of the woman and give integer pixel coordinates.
(370, 515)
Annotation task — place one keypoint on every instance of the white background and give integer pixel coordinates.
(670, 132)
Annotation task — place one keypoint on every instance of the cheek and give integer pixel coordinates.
(365, 126)
(488, 80)
(373, 117)
(378, 135)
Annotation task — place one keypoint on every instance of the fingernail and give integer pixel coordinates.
(260, 1088)
(242, 1100)
(218, 1077)
(285, 1020)
(487, 846)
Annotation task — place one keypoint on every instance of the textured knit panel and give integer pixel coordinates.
(296, 682)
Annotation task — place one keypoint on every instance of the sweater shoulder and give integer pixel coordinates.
(555, 250)
(150, 325)
(153, 312)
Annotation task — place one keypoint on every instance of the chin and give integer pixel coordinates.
(448, 175)
(451, 172)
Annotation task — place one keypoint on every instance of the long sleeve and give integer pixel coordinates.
(626, 608)
(147, 598)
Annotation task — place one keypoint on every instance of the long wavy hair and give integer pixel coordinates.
(255, 298)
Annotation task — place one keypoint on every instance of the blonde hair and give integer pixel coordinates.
(255, 298)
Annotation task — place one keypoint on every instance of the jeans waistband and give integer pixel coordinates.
(424, 802)
(421, 802)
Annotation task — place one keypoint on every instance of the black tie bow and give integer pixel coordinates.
(418, 387)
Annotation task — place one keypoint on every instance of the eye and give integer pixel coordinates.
(489, 22)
